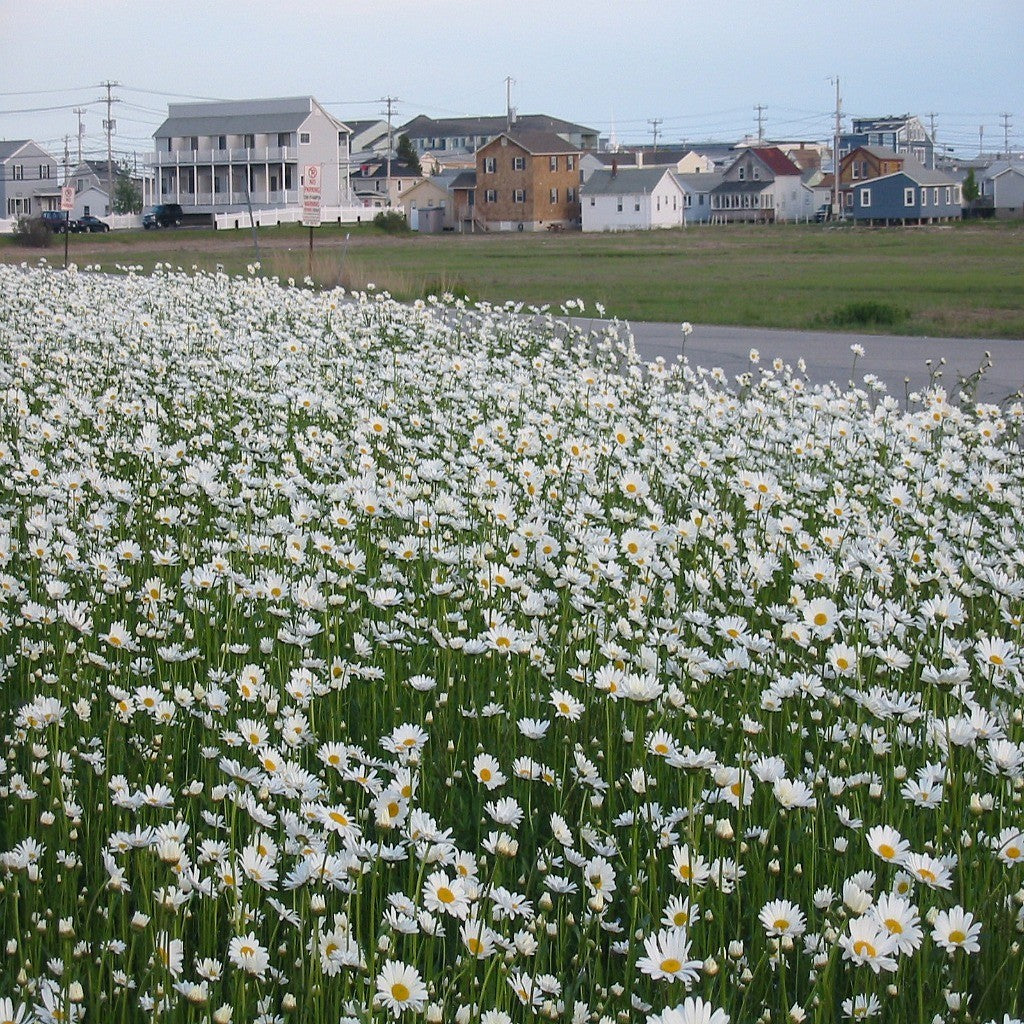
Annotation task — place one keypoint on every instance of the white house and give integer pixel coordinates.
(219, 157)
(764, 186)
(632, 199)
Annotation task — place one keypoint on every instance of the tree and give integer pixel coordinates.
(970, 187)
(126, 198)
(406, 152)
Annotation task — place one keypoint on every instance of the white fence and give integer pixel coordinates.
(268, 218)
(116, 221)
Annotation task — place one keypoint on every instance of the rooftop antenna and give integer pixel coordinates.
(80, 111)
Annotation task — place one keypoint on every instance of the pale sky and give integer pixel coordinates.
(698, 67)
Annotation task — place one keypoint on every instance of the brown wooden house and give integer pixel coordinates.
(527, 181)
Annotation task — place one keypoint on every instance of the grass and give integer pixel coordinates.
(960, 281)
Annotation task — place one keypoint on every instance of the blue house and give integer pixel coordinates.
(903, 134)
(914, 195)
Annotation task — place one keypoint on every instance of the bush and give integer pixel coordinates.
(33, 233)
(391, 222)
(867, 313)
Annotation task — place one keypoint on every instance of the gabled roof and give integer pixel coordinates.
(464, 179)
(1002, 167)
(371, 169)
(239, 117)
(15, 146)
(704, 182)
(916, 172)
(743, 186)
(626, 181)
(775, 160)
(878, 152)
(423, 127)
(538, 143)
(8, 149)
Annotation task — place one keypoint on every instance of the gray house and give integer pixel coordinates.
(914, 195)
(29, 179)
(1003, 185)
(218, 157)
(902, 133)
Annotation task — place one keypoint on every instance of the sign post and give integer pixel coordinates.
(311, 206)
(67, 204)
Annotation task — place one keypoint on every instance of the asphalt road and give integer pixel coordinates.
(901, 363)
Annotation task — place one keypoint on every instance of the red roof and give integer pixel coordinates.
(775, 160)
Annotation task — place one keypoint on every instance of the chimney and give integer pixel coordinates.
(639, 158)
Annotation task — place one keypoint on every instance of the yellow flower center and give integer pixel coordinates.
(780, 924)
(957, 936)
(670, 965)
(864, 948)
(886, 851)
(820, 619)
(400, 992)
(445, 895)
(894, 926)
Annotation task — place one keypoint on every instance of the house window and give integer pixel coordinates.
(193, 143)
(519, 195)
(757, 174)
(19, 172)
(44, 171)
(570, 163)
(284, 139)
(949, 195)
(848, 200)
(855, 170)
(700, 200)
(489, 164)
(249, 141)
(553, 197)
(303, 138)
(924, 197)
(593, 202)
(865, 197)
(491, 196)
(552, 163)
(570, 195)
(519, 163)
(743, 174)
(222, 142)
(935, 197)
(636, 205)
(908, 197)
(86, 210)
(618, 204)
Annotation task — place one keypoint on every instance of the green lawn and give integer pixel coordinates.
(961, 280)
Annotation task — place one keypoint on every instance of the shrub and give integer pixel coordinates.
(391, 222)
(33, 233)
(866, 313)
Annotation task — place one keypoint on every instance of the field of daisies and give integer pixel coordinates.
(363, 662)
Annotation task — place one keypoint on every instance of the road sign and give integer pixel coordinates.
(67, 197)
(311, 195)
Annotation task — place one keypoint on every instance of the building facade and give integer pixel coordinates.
(527, 181)
(30, 180)
(221, 157)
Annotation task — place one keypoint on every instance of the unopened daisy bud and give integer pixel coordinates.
(596, 903)
(76, 994)
(552, 929)
(774, 867)
(710, 967)
(222, 1015)
(840, 844)
(797, 1013)
(46, 818)
(545, 902)
(736, 949)
(12, 947)
(288, 1003)
(140, 920)
(383, 943)
(66, 928)
(318, 903)
(724, 829)
(435, 1013)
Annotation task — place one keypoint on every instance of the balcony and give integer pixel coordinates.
(206, 157)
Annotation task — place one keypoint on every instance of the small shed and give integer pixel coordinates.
(430, 220)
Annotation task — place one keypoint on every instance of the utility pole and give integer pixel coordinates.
(390, 101)
(109, 125)
(760, 108)
(935, 148)
(80, 111)
(654, 122)
(67, 158)
(981, 139)
(509, 114)
(1006, 135)
(835, 152)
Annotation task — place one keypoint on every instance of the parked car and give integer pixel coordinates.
(89, 224)
(55, 220)
(823, 213)
(166, 215)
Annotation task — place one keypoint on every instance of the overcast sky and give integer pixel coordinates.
(697, 66)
